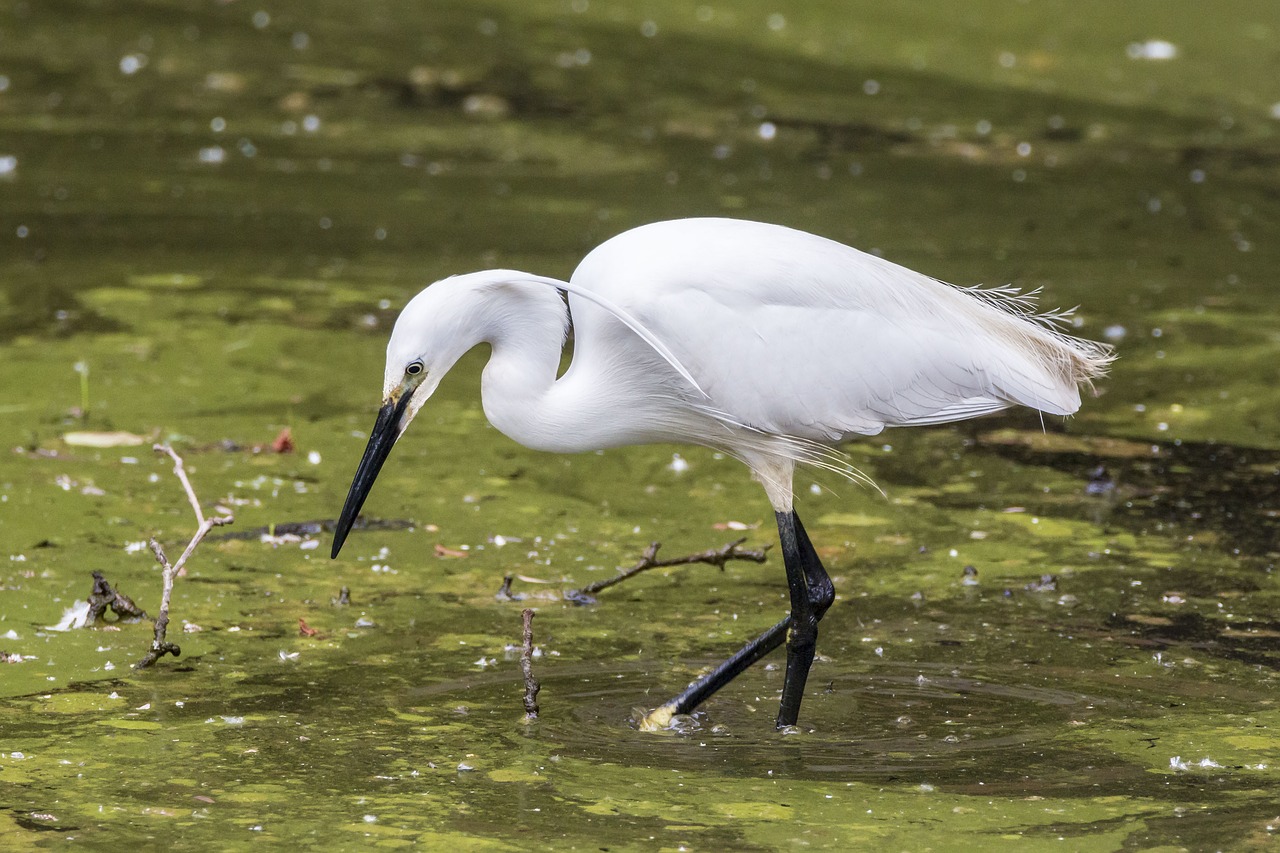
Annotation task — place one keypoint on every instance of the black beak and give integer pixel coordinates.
(386, 429)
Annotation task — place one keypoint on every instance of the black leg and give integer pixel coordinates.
(811, 595)
(702, 689)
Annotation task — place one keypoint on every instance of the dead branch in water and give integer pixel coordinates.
(649, 560)
(160, 646)
(105, 596)
(531, 685)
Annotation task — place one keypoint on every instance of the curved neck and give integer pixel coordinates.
(605, 399)
(518, 388)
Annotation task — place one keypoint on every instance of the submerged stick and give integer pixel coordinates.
(160, 646)
(649, 560)
(531, 685)
(105, 596)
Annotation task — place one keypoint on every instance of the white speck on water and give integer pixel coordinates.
(871, 87)
(311, 123)
(261, 19)
(314, 457)
(1152, 49)
(678, 463)
(767, 130)
(309, 544)
(9, 165)
(371, 818)
(1008, 60)
(648, 29)
(9, 635)
(776, 22)
(212, 154)
(132, 63)
(233, 721)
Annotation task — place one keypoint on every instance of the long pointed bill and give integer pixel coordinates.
(386, 429)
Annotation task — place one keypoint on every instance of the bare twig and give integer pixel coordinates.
(159, 645)
(649, 560)
(531, 685)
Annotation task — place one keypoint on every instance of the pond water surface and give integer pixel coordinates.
(209, 217)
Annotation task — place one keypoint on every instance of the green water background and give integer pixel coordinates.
(217, 209)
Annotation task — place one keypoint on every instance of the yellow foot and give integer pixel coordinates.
(658, 719)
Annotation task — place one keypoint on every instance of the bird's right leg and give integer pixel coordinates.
(811, 594)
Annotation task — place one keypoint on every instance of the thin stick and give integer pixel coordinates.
(649, 560)
(531, 685)
(159, 645)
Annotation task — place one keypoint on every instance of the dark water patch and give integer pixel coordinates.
(1255, 642)
(1178, 489)
(316, 527)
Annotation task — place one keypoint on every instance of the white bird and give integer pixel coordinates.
(761, 341)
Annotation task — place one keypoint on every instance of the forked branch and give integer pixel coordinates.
(160, 646)
(649, 560)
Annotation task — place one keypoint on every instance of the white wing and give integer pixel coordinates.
(797, 335)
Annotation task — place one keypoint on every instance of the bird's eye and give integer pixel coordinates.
(414, 368)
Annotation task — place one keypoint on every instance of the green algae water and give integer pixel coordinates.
(209, 217)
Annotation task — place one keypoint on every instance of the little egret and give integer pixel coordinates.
(769, 344)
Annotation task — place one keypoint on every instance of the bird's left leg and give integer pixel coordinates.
(702, 689)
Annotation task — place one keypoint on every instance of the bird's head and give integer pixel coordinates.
(425, 343)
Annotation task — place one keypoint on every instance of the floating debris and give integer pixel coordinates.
(104, 439)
